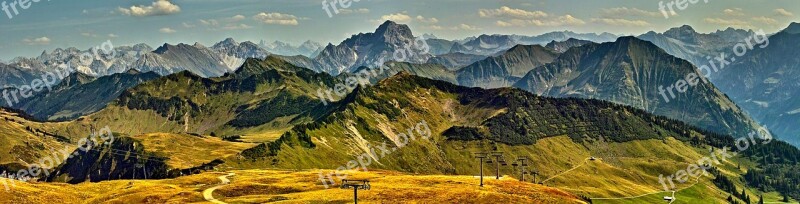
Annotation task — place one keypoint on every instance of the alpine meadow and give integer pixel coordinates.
(388, 101)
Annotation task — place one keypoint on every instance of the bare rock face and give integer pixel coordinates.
(764, 82)
(370, 49)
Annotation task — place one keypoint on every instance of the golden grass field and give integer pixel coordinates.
(274, 186)
(186, 151)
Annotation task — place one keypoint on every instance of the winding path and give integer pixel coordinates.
(573, 168)
(208, 194)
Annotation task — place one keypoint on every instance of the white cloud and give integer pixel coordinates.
(625, 11)
(237, 18)
(404, 18)
(436, 27)
(467, 27)
(167, 30)
(620, 22)
(37, 41)
(112, 35)
(520, 17)
(733, 12)
(728, 22)
(506, 11)
(560, 21)
(209, 22)
(783, 12)
(396, 17)
(427, 20)
(158, 7)
(352, 11)
(458, 27)
(765, 20)
(240, 26)
(229, 23)
(188, 25)
(88, 34)
(276, 18)
(503, 24)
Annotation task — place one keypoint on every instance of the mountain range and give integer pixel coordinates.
(627, 71)
(587, 108)
(765, 82)
(686, 43)
(633, 72)
(308, 48)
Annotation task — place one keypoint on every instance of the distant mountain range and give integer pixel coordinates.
(686, 43)
(507, 68)
(766, 83)
(79, 94)
(308, 48)
(565, 100)
(493, 44)
(371, 49)
(487, 61)
(630, 71)
(223, 57)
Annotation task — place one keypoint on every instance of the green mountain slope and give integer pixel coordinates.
(504, 70)
(764, 83)
(559, 133)
(630, 71)
(79, 94)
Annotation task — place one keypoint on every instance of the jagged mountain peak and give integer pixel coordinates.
(166, 47)
(681, 29)
(228, 42)
(524, 48)
(163, 48)
(684, 33)
(389, 30)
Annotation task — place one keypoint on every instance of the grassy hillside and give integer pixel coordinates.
(25, 141)
(632, 147)
(261, 186)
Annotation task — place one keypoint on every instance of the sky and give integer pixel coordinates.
(49, 24)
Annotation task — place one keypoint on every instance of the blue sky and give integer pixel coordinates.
(49, 24)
